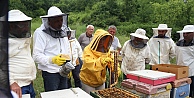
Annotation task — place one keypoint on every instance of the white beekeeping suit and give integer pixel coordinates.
(162, 48)
(22, 69)
(185, 52)
(135, 56)
(75, 51)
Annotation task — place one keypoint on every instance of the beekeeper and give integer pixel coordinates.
(76, 59)
(22, 69)
(135, 52)
(162, 45)
(184, 52)
(50, 43)
(96, 57)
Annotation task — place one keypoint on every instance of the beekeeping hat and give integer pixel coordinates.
(162, 27)
(53, 12)
(17, 15)
(140, 33)
(187, 28)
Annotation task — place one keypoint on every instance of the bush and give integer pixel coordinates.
(127, 28)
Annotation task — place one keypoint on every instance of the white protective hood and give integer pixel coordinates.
(162, 27)
(45, 24)
(53, 12)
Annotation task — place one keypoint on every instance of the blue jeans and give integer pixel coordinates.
(28, 90)
(53, 81)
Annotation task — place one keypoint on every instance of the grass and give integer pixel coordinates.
(38, 84)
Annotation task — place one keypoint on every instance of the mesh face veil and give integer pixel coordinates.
(104, 44)
(19, 24)
(144, 41)
(108, 42)
(20, 29)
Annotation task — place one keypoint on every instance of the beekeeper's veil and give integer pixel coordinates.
(54, 12)
(162, 27)
(19, 24)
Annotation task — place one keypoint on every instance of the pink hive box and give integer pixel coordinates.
(151, 77)
(150, 89)
(129, 83)
(145, 88)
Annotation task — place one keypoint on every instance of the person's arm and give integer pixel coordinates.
(80, 39)
(119, 47)
(94, 64)
(16, 88)
(147, 55)
(39, 44)
(123, 49)
(79, 49)
(172, 52)
(13, 50)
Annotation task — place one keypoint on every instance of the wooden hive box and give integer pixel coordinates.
(179, 70)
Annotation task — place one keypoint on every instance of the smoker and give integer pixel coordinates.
(66, 68)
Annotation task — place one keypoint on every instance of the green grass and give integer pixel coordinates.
(35, 24)
(38, 84)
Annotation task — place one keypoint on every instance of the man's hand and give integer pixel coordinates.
(107, 61)
(17, 89)
(58, 60)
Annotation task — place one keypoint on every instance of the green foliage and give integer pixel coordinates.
(80, 28)
(36, 22)
(38, 84)
(105, 13)
(102, 13)
(16, 4)
(127, 28)
(145, 12)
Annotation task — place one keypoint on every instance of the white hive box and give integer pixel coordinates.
(151, 77)
(66, 93)
(26, 96)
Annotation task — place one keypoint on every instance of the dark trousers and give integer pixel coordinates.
(54, 81)
(28, 89)
(75, 73)
(192, 87)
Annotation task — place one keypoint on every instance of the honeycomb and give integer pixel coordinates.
(115, 93)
